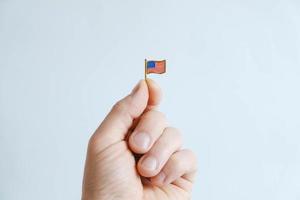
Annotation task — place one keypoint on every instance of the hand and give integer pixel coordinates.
(134, 155)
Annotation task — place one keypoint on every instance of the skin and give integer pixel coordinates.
(135, 155)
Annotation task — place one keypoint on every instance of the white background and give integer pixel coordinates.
(232, 87)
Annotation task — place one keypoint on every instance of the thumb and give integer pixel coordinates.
(117, 123)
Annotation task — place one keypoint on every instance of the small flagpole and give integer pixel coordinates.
(145, 69)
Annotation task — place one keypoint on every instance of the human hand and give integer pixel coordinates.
(134, 155)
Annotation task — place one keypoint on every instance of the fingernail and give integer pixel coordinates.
(149, 163)
(161, 177)
(142, 140)
(136, 88)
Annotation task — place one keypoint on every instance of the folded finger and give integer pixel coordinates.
(181, 164)
(148, 130)
(152, 162)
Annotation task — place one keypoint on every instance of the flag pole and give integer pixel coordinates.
(145, 69)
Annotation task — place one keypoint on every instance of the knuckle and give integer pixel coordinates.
(174, 131)
(192, 157)
(120, 107)
(174, 159)
(191, 153)
(176, 164)
(155, 114)
(175, 134)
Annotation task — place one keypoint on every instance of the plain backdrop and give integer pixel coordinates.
(232, 87)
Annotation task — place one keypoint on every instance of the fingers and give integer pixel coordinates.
(153, 161)
(181, 164)
(117, 123)
(148, 130)
(163, 161)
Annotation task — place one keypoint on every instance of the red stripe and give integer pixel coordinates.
(160, 68)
